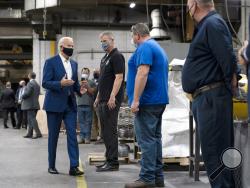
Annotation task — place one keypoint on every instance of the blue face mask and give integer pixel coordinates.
(105, 46)
(133, 43)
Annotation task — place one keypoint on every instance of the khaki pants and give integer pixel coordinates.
(96, 131)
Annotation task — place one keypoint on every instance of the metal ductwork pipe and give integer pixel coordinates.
(157, 31)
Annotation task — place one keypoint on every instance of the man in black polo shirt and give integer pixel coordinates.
(109, 98)
(209, 75)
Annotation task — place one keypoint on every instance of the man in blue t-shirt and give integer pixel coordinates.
(147, 90)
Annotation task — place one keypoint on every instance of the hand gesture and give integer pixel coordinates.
(66, 82)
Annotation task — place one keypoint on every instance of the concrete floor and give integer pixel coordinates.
(23, 164)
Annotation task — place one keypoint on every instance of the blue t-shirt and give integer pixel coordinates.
(156, 89)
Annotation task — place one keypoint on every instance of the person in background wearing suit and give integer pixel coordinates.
(7, 101)
(21, 114)
(60, 79)
(30, 104)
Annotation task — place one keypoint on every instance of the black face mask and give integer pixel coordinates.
(96, 75)
(68, 51)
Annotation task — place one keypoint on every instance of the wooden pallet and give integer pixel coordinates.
(95, 158)
(182, 161)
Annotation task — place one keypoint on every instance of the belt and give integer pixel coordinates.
(207, 88)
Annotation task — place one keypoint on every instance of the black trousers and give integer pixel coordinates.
(213, 114)
(21, 117)
(108, 120)
(12, 116)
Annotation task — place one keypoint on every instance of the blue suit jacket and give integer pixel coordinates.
(56, 97)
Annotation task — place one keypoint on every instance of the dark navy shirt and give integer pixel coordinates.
(210, 58)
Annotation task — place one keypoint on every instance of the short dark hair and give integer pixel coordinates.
(85, 68)
(32, 75)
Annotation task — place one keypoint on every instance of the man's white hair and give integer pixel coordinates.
(22, 82)
(61, 42)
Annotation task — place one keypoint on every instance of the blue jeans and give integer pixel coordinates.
(148, 135)
(85, 121)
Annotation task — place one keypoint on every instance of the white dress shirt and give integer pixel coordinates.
(21, 91)
(67, 66)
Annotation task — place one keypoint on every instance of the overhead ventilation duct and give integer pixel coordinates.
(157, 31)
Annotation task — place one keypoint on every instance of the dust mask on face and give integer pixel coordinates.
(84, 76)
(133, 43)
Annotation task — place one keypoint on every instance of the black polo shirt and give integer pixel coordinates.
(210, 58)
(111, 64)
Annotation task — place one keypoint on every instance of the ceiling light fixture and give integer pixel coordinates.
(132, 5)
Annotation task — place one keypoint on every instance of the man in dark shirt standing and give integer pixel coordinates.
(7, 101)
(109, 98)
(208, 75)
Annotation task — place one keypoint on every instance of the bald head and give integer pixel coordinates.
(22, 83)
(8, 84)
(202, 3)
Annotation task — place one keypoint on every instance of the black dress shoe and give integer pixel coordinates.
(53, 171)
(27, 136)
(159, 183)
(37, 136)
(6, 127)
(108, 167)
(101, 165)
(75, 172)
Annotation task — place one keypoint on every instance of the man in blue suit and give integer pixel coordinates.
(61, 82)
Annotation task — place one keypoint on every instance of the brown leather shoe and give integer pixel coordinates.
(139, 184)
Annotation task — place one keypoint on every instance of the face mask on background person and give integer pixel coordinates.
(84, 76)
(68, 51)
(105, 46)
(133, 43)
